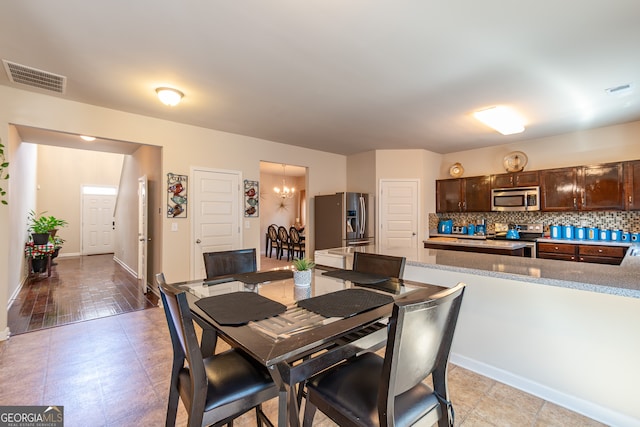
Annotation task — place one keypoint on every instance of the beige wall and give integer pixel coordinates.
(602, 145)
(361, 173)
(183, 147)
(60, 174)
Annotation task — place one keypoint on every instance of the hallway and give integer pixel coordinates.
(80, 288)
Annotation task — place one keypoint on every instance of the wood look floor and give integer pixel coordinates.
(114, 371)
(80, 288)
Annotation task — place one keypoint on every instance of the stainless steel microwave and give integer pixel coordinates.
(515, 199)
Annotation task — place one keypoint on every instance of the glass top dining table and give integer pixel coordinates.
(299, 342)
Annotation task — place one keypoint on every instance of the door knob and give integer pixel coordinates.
(198, 241)
(413, 234)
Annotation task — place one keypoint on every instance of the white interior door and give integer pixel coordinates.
(97, 222)
(143, 234)
(215, 203)
(399, 213)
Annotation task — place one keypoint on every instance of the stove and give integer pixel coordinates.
(528, 233)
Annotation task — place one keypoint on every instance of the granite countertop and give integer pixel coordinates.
(622, 280)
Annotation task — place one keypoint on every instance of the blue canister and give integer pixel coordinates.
(635, 237)
(593, 233)
(471, 229)
(580, 233)
(616, 235)
(556, 231)
(626, 236)
(605, 235)
(567, 232)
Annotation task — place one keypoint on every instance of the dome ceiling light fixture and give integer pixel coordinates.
(284, 192)
(169, 96)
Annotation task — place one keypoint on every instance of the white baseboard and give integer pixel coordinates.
(68, 254)
(126, 267)
(589, 409)
(13, 296)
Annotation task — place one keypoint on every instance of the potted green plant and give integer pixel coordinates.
(302, 272)
(41, 226)
(38, 226)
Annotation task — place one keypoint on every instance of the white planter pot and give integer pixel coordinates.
(302, 278)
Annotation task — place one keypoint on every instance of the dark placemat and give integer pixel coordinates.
(237, 308)
(263, 276)
(357, 276)
(345, 303)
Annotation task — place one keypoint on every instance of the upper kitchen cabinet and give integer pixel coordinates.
(586, 188)
(464, 194)
(602, 187)
(518, 179)
(633, 185)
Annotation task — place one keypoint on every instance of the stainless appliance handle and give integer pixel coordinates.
(363, 216)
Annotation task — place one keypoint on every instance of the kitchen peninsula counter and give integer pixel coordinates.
(622, 280)
(541, 325)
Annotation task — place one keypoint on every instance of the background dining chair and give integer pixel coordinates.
(385, 265)
(230, 262)
(297, 243)
(370, 390)
(215, 389)
(272, 240)
(284, 244)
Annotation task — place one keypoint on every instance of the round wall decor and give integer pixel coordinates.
(515, 161)
(456, 170)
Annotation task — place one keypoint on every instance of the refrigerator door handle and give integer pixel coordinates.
(363, 216)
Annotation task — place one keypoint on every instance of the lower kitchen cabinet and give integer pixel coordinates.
(599, 254)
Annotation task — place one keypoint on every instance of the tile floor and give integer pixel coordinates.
(114, 371)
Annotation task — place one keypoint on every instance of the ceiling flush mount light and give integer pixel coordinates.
(284, 191)
(88, 138)
(503, 119)
(169, 96)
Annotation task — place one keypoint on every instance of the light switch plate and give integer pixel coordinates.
(174, 226)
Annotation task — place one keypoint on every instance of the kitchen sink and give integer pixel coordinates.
(634, 252)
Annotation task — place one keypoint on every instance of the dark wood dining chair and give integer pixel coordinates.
(272, 240)
(373, 391)
(297, 243)
(223, 263)
(384, 265)
(215, 389)
(284, 243)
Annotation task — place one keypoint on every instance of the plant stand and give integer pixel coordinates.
(32, 250)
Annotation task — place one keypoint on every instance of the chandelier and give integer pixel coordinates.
(284, 191)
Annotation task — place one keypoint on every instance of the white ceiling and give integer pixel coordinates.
(340, 76)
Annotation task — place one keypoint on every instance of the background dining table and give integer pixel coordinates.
(345, 318)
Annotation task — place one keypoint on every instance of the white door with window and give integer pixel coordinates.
(399, 213)
(216, 207)
(97, 220)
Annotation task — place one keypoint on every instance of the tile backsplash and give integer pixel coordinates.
(626, 221)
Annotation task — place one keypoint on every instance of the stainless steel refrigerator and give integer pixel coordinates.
(344, 219)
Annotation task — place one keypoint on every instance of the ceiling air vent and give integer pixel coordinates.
(33, 77)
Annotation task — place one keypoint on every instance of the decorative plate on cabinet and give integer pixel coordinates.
(456, 170)
(515, 161)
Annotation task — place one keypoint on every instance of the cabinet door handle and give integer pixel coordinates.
(599, 250)
(575, 202)
(630, 200)
(556, 248)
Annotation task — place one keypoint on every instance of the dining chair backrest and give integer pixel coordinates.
(184, 339)
(385, 265)
(272, 232)
(283, 235)
(223, 263)
(294, 236)
(421, 330)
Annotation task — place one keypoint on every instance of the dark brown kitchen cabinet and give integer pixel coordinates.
(584, 188)
(602, 187)
(518, 179)
(558, 189)
(599, 254)
(633, 185)
(464, 194)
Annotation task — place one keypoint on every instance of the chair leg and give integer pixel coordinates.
(309, 413)
(172, 406)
